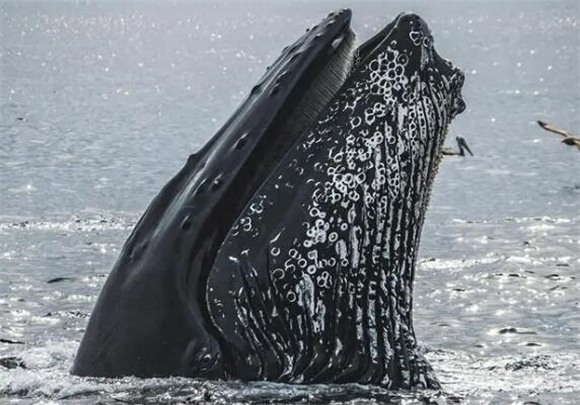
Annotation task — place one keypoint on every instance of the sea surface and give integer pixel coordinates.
(102, 102)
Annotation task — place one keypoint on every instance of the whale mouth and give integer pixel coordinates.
(304, 94)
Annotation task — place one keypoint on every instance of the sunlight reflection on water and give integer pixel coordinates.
(102, 102)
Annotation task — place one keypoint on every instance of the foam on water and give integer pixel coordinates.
(495, 327)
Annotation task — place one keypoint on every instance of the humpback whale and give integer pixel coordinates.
(285, 248)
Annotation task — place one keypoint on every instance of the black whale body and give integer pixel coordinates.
(285, 248)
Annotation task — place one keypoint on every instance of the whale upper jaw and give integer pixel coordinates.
(151, 317)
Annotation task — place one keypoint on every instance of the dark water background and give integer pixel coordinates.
(101, 103)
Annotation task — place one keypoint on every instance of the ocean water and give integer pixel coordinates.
(102, 102)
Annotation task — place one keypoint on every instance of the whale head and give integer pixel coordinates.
(285, 248)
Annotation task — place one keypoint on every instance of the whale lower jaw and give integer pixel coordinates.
(316, 274)
(380, 349)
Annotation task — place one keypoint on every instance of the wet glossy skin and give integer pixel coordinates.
(150, 317)
(313, 280)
